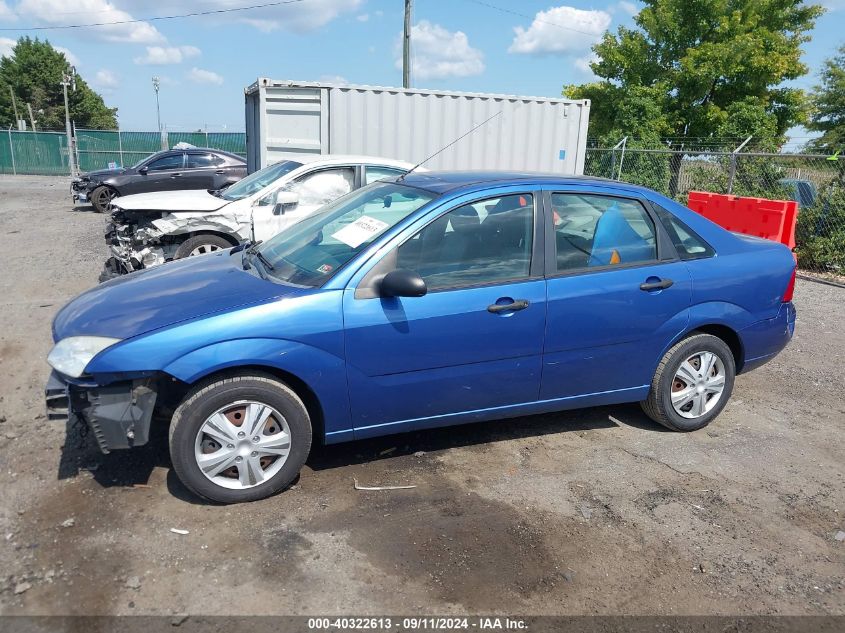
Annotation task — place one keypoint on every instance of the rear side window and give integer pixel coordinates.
(196, 161)
(593, 230)
(687, 242)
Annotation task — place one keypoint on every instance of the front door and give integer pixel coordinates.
(163, 174)
(615, 299)
(473, 342)
(315, 189)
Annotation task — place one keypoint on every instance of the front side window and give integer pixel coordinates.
(321, 187)
(313, 250)
(477, 243)
(174, 161)
(593, 230)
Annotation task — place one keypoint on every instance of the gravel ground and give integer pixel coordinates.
(596, 511)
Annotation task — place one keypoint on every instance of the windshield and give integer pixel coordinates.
(256, 181)
(310, 252)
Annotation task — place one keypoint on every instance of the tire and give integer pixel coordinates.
(237, 481)
(697, 403)
(201, 245)
(101, 197)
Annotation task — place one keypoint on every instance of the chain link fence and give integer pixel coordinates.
(816, 182)
(46, 153)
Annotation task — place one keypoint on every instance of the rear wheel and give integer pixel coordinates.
(201, 245)
(101, 197)
(240, 438)
(692, 384)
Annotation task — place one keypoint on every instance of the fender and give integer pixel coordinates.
(323, 373)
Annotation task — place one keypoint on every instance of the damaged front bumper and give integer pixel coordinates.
(118, 414)
(131, 250)
(79, 190)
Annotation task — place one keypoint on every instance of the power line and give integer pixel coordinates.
(154, 18)
(530, 17)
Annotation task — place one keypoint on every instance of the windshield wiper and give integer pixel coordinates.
(252, 249)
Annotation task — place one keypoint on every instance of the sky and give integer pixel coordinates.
(523, 47)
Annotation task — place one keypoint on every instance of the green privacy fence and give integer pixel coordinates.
(45, 153)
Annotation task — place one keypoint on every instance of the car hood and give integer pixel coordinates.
(188, 200)
(102, 173)
(158, 297)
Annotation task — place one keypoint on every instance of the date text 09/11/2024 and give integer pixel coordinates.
(417, 623)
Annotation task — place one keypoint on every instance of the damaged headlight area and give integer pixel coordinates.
(71, 355)
(134, 243)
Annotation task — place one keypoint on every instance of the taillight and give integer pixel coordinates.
(790, 288)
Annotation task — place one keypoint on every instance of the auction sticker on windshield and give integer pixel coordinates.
(361, 230)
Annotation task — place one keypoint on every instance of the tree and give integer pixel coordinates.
(34, 73)
(828, 99)
(698, 69)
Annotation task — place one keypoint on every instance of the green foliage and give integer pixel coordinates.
(820, 230)
(701, 68)
(828, 101)
(34, 72)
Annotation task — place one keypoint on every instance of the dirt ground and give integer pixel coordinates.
(597, 511)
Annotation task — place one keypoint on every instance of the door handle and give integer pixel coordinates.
(220, 172)
(519, 304)
(656, 285)
(176, 176)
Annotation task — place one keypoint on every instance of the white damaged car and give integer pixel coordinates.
(149, 229)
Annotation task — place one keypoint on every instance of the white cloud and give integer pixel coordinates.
(296, 17)
(6, 14)
(363, 17)
(6, 46)
(72, 59)
(628, 7)
(437, 53)
(163, 55)
(106, 79)
(200, 76)
(583, 63)
(53, 12)
(546, 37)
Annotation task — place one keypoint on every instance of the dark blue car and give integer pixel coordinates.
(427, 301)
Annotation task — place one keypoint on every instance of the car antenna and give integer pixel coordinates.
(445, 147)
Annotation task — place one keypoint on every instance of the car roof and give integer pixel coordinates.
(333, 159)
(445, 181)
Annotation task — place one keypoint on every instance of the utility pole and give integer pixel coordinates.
(14, 105)
(156, 85)
(69, 79)
(406, 47)
(31, 118)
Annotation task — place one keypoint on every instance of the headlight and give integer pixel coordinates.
(71, 355)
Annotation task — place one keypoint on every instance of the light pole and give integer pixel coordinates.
(156, 85)
(69, 79)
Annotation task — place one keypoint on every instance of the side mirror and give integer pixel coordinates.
(284, 199)
(143, 170)
(402, 283)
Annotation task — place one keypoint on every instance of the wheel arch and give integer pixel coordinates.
(184, 237)
(299, 386)
(720, 331)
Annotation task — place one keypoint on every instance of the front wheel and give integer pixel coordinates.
(239, 438)
(692, 384)
(101, 197)
(201, 245)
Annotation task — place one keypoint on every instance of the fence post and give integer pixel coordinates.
(732, 168)
(120, 148)
(12, 152)
(623, 143)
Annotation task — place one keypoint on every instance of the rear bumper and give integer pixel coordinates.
(765, 339)
(118, 414)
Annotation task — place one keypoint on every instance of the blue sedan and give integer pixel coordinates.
(425, 301)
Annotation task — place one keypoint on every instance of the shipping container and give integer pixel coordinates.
(285, 118)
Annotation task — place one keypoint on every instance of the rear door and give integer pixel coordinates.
(200, 170)
(617, 293)
(473, 343)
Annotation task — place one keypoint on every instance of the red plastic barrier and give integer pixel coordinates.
(772, 219)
